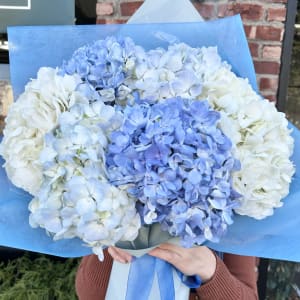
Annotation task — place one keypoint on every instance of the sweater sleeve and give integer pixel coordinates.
(235, 278)
(92, 277)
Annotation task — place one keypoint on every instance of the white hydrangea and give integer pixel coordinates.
(177, 71)
(261, 138)
(35, 113)
(75, 199)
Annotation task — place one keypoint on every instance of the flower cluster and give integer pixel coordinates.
(35, 113)
(172, 157)
(262, 142)
(75, 199)
(120, 136)
(104, 68)
(178, 71)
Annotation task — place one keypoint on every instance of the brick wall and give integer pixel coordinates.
(264, 23)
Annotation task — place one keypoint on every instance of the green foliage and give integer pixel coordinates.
(282, 283)
(40, 278)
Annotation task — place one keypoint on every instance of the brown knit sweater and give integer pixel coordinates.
(234, 279)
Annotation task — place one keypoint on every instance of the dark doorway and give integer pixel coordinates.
(85, 12)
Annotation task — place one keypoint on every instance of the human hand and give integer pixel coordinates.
(190, 261)
(119, 255)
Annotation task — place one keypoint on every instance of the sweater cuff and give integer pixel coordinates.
(92, 277)
(222, 279)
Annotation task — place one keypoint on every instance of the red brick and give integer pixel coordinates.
(250, 31)
(272, 97)
(129, 8)
(248, 11)
(267, 83)
(223, 11)
(271, 52)
(266, 67)
(254, 49)
(277, 14)
(206, 10)
(111, 21)
(269, 33)
(104, 9)
(100, 21)
(276, 1)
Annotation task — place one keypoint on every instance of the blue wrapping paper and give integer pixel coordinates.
(33, 47)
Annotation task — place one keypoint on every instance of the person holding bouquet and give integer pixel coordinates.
(129, 138)
(233, 277)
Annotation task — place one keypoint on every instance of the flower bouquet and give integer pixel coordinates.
(134, 140)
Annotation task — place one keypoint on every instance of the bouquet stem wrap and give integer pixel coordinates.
(148, 278)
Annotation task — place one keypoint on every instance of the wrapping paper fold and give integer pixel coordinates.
(32, 47)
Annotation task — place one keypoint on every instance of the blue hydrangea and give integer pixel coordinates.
(175, 160)
(104, 67)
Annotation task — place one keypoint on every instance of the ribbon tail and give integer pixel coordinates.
(140, 278)
(164, 272)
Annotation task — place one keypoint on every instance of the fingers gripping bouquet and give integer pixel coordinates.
(121, 137)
